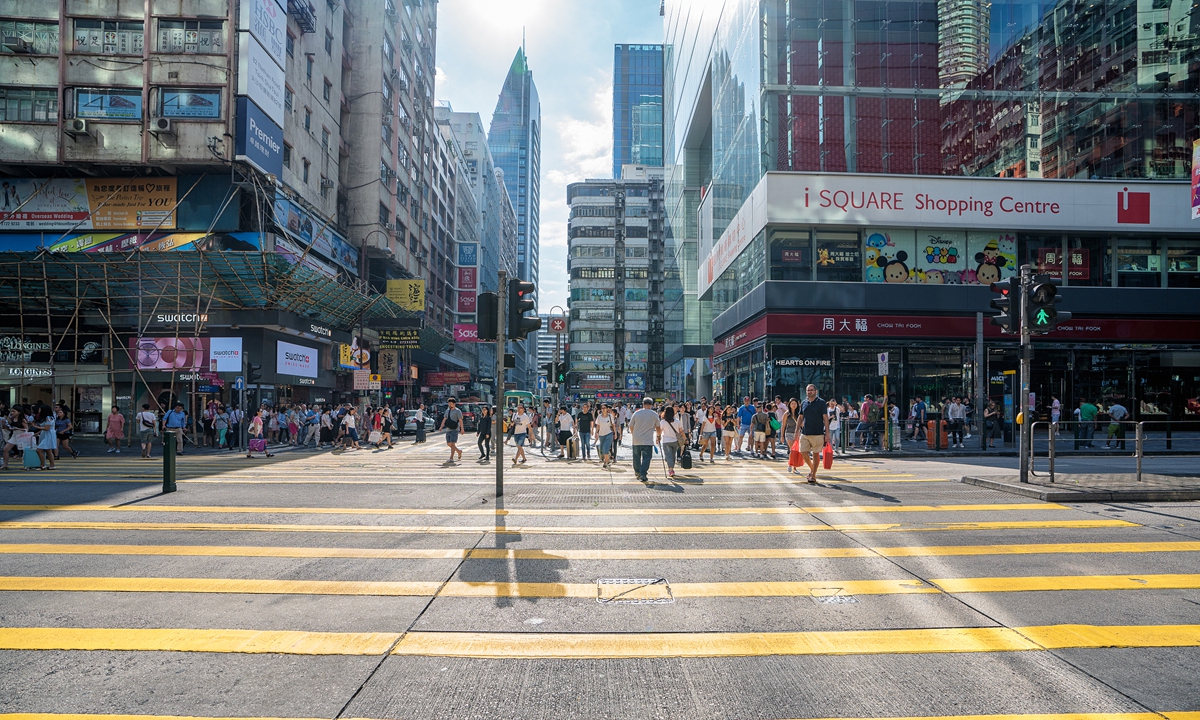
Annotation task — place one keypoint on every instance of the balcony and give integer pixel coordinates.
(300, 12)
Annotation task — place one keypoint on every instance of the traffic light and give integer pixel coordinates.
(520, 301)
(1041, 314)
(548, 371)
(560, 374)
(255, 374)
(487, 308)
(1007, 319)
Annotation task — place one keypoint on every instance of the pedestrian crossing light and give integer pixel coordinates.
(1041, 315)
(520, 301)
(560, 374)
(1007, 319)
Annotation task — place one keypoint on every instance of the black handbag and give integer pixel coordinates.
(685, 459)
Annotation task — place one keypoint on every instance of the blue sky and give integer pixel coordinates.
(570, 49)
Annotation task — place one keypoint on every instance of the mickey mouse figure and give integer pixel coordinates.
(894, 270)
(990, 261)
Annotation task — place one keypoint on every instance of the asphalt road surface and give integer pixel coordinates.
(386, 584)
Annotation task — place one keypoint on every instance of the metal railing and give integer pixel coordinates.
(1144, 431)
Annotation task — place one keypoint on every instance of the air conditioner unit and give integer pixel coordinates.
(17, 44)
(76, 127)
(161, 126)
(395, 75)
(326, 183)
(389, 226)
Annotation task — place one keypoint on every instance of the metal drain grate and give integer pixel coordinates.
(633, 591)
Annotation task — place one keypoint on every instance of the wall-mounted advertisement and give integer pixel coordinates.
(302, 226)
(468, 254)
(400, 339)
(355, 356)
(941, 257)
(466, 301)
(267, 22)
(389, 364)
(92, 204)
(169, 353)
(149, 242)
(109, 104)
(466, 332)
(993, 257)
(293, 253)
(468, 278)
(225, 354)
(260, 78)
(297, 360)
(408, 294)
(191, 103)
(1195, 179)
(259, 139)
(888, 255)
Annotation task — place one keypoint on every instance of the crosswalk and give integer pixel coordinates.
(359, 569)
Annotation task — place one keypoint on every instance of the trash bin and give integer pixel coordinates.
(936, 429)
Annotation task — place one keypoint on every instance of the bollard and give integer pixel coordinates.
(1053, 428)
(169, 440)
(1139, 440)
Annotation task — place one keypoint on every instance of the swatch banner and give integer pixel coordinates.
(88, 204)
(169, 353)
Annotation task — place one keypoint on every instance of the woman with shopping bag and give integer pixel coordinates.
(791, 435)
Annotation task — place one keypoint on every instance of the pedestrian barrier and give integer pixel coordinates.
(1178, 436)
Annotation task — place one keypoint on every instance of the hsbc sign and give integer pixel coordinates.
(961, 203)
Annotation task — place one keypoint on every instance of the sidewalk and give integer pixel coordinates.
(1115, 487)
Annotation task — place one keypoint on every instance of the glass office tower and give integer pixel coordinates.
(637, 106)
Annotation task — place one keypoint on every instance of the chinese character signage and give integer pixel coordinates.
(400, 339)
(467, 278)
(362, 379)
(408, 294)
(468, 254)
(92, 204)
(1079, 262)
(466, 301)
(389, 363)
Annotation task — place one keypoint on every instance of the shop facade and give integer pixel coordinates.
(819, 275)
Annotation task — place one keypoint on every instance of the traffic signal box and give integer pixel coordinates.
(1041, 313)
(520, 301)
(1007, 319)
(488, 311)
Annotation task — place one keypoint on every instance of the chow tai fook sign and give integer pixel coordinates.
(840, 326)
(1000, 204)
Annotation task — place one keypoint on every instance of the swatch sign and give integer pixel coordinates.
(296, 360)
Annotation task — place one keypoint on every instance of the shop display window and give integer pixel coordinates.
(1139, 263)
(1183, 263)
(791, 254)
(941, 257)
(1089, 261)
(839, 257)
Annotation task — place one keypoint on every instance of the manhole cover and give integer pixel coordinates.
(633, 591)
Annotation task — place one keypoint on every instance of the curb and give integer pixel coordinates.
(1083, 496)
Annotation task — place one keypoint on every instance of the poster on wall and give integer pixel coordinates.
(389, 364)
(92, 204)
(941, 257)
(889, 255)
(225, 354)
(993, 257)
(297, 360)
(169, 353)
(408, 294)
(355, 356)
(1195, 179)
(108, 104)
(466, 301)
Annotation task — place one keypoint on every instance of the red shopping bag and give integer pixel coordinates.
(795, 459)
(827, 456)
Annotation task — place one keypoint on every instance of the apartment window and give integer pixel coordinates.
(191, 36)
(328, 43)
(106, 36)
(389, 52)
(26, 105)
(291, 45)
(325, 138)
(387, 96)
(308, 66)
(287, 156)
(308, 119)
(325, 92)
(307, 165)
(386, 131)
(41, 37)
(289, 98)
(384, 172)
(384, 214)
(175, 103)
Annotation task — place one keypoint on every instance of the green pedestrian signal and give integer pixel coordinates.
(1040, 300)
(1043, 317)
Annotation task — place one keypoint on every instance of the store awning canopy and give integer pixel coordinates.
(41, 283)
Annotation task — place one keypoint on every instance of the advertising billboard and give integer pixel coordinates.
(468, 254)
(466, 301)
(260, 78)
(87, 204)
(466, 332)
(408, 294)
(400, 339)
(297, 360)
(169, 353)
(225, 354)
(259, 139)
(468, 278)
(314, 232)
(355, 356)
(191, 103)
(267, 22)
(111, 104)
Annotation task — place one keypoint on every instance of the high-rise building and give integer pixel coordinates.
(515, 140)
(809, 232)
(637, 106)
(615, 264)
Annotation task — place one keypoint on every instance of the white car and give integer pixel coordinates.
(410, 422)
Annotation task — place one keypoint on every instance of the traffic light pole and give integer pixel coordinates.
(498, 416)
(557, 343)
(1026, 437)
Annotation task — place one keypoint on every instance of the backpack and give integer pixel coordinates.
(873, 413)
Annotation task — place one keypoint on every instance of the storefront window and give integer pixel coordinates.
(889, 254)
(794, 367)
(941, 257)
(839, 257)
(1089, 261)
(933, 374)
(1139, 263)
(1183, 264)
(791, 254)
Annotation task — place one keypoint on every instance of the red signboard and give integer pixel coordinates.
(466, 332)
(558, 325)
(442, 379)
(1079, 263)
(466, 301)
(467, 278)
(840, 326)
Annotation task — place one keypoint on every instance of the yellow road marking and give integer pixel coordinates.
(575, 554)
(597, 646)
(286, 642)
(865, 642)
(786, 510)
(1038, 716)
(808, 588)
(567, 530)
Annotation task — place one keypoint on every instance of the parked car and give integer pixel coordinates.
(470, 413)
(410, 423)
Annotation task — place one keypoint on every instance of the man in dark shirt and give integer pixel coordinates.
(584, 422)
(814, 433)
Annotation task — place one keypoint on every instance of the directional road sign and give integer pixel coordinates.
(239, 383)
(542, 382)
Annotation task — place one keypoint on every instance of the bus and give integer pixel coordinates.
(513, 397)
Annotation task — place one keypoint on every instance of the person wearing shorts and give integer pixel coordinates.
(814, 433)
(566, 428)
(520, 422)
(745, 416)
(452, 423)
(146, 422)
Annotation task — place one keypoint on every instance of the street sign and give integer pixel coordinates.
(883, 364)
(558, 325)
(239, 383)
(375, 382)
(542, 382)
(210, 389)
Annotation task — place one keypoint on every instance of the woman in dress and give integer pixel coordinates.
(47, 443)
(325, 437)
(792, 423)
(272, 424)
(255, 432)
(386, 427)
(114, 430)
(992, 425)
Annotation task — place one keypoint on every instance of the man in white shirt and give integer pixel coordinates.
(566, 428)
(147, 426)
(1117, 413)
(643, 428)
(956, 415)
